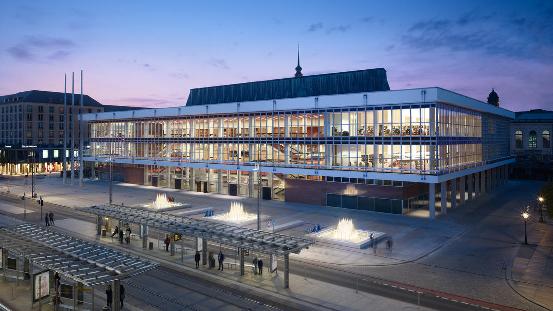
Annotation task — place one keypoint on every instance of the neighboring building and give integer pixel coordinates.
(341, 139)
(531, 144)
(34, 121)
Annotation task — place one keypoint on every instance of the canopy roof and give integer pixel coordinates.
(255, 240)
(79, 260)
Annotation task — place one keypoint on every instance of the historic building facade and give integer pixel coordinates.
(342, 140)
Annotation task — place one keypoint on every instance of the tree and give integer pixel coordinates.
(547, 193)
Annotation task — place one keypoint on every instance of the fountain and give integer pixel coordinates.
(162, 203)
(346, 234)
(236, 214)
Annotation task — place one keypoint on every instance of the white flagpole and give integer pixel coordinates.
(64, 165)
(81, 135)
(72, 128)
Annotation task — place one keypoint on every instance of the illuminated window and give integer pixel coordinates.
(532, 140)
(546, 139)
(518, 139)
(45, 154)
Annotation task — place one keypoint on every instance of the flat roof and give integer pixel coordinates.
(255, 240)
(85, 262)
(409, 96)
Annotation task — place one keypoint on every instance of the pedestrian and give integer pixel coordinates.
(120, 236)
(260, 266)
(51, 215)
(128, 238)
(167, 242)
(57, 282)
(221, 258)
(121, 295)
(47, 220)
(197, 259)
(109, 296)
(372, 239)
(115, 231)
(388, 246)
(255, 265)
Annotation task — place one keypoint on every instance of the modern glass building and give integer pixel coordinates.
(343, 140)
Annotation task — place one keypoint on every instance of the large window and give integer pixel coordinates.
(532, 140)
(518, 139)
(546, 139)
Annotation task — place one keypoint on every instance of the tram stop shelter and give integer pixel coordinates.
(244, 239)
(29, 248)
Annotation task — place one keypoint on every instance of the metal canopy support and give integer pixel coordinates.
(242, 272)
(286, 271)
(98, 225)
(204, 252)
(116, 295)
(443, 197)
(144, 233)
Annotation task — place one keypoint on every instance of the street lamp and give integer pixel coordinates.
(540, 203)
(525, 215)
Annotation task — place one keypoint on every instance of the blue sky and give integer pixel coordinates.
(150, 53)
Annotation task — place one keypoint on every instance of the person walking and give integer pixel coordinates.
(197, 259)
(167, 241)
(109, 296)
(121, 236)
(121, 295)
(260, 266)
(47, 220)
(255, 265)
(115, 231)
(221, 258)
(51, 215)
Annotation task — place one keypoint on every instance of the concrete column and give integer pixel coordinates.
(76, 296)
(144, 233)
(462, 191)
(453, 193)
(483, 182)
(116, 294)
(287, 271)
(204, 251)
(98, 225)
(443, 197)
(477, 184)
(242, 272)
(432, 200)
(470, 182)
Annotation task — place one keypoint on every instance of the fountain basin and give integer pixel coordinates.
(345, 234)
(162, 203)
(236, 215)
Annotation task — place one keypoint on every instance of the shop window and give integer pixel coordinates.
(532, 140)
(546, 139)
(518, 139)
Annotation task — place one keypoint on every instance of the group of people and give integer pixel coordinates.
(109, 295)
(211, 260)
(122, 235)
(49, 219)
(257, 265)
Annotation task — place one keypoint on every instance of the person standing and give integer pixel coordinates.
(260, 266)
(115, 231)
(255, 265)
(51, 215)
(221, 258)
(167, 242)
(46, 220)
(109, 296)
(197, 259)
(121, 236)
(121, 295)
(57, 282)
(128, 239)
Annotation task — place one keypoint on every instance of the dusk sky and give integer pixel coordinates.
(150, 53)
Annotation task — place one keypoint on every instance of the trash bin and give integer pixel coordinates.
(104, 233)
(151, 246)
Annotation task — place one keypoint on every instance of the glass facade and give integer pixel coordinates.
(420, 139)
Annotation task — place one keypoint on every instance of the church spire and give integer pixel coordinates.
(298, 67)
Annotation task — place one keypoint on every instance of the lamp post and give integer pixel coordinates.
(525, 215)
(540, 203)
